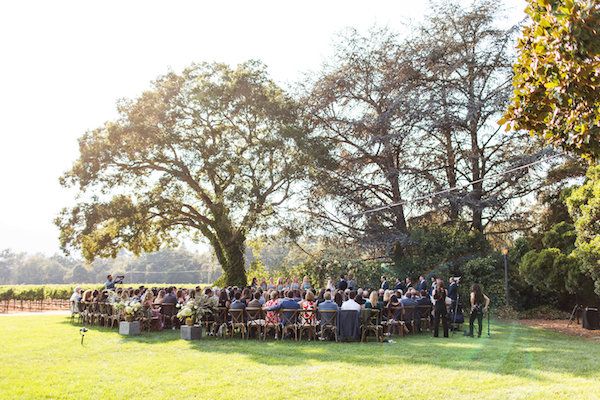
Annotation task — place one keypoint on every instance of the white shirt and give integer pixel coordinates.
(350, 305)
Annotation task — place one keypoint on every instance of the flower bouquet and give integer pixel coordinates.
(132, 309)
(193, 310)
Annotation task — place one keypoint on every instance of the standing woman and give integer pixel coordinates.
(479, 305)
(439, 307)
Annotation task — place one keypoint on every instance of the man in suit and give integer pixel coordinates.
(342, 284)
(255, 303)
(384, 283)
(237, 303)
(453, 289)
(408, 301)
(422, 285)
(327, 305)
(170, 297)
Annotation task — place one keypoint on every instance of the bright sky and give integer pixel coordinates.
(64, 64)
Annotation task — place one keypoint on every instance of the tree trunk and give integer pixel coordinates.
(234, 267)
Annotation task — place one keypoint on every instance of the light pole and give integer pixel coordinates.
(505, 254)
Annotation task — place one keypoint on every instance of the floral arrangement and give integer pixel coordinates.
(132, 309)
(193, 310)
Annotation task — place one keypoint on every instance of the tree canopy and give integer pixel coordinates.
(211, 151)
(557, 75)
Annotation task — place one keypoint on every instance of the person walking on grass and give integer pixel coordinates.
(479, 305)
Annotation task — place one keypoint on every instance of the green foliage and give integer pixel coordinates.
(438, 249)
(257, 270)
(584, 207)
(487, 271)
(561, 236)
(556, 80)
(546, 269)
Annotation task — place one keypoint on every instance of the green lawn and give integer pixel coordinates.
(43, 359)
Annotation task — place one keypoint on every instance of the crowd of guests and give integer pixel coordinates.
(293, 294)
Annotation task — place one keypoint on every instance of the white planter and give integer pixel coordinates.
(191, 332)
(129, 328)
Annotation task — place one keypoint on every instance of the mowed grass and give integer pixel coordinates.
(42, 358)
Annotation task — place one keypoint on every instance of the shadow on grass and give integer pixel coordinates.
(512, 350)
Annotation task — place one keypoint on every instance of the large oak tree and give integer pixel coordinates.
(211, 151)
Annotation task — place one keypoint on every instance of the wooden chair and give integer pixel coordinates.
(308, 323)
(370, 322)
(255, 321)
(424, 317)
(169, 315)
(102, 314)
(271, 325)
(221, 320)
(289, 321)
(114, 316)
(393, 321)
(237, 322)
(328, 323)
(77, 309)
(94, 312)
(408, 317)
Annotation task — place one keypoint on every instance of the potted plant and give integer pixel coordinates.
(192, 311)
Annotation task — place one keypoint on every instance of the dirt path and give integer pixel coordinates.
(560, 325)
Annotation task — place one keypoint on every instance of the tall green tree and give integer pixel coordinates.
(557, 75)
(584, 207)
(211, 151)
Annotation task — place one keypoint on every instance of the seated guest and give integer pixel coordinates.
(297, 297)
(374, 301)
(87, 296)
(223, 299)
(246, 296)
(425, 300)
(321, 298)
(180, 296)
(237, 303)
(76, 296)
(351, 304)
(287, 303)
(338, 299)
(170, 297)
(272, 317)
(308, 304)
(255, 303)
(327, 305)
(408, 301)
(359, 297)
(160, 297)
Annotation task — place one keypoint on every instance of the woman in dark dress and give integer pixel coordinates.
(439, 309)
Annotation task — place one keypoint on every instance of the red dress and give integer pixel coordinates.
(272, 317)
(308, 318)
